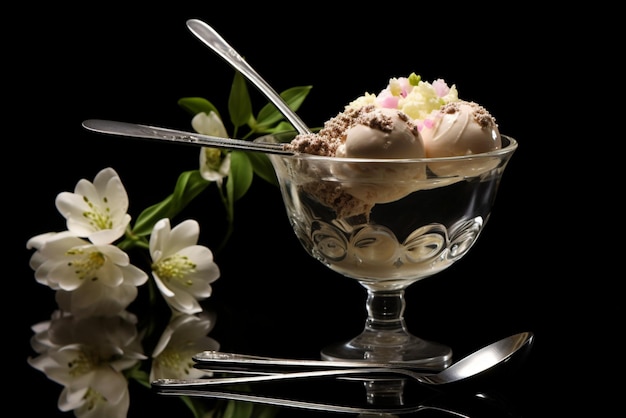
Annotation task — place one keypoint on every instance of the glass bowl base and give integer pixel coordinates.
(414, 351)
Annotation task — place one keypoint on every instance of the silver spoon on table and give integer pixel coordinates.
(479, 363)
(213, 40)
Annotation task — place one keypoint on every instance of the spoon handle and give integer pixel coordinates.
(355, 373)
(219, 359)
(214, 41)
(164, 134)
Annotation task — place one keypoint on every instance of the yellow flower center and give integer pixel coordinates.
(98, 219)
(93, 399)
(172, 359)
(214, 158)
(176, 267)
(84, 362)
(86, 267)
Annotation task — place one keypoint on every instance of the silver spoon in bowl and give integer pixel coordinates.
(172, 135)
(213, 40)
(478, 363)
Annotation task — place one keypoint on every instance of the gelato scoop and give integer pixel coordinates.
(364, 132)
(382, 133)
(461, 128)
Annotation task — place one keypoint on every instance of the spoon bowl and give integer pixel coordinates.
(486, 363)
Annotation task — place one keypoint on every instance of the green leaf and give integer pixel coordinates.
(265, 411)
(195, 105)
(238, 409)
(294, 97)
(241, 174)
(196, 408)
(262, 167)
(189, 185)
(139, 375)
(239, 103)
(281, 127)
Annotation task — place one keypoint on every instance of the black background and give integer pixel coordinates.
(101, 61)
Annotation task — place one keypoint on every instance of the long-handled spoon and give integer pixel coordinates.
(478, 363)
(164, 134)
(214, 41)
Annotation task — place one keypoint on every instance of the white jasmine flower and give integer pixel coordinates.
(89, 279)
(87, 357)
(98, 210)
(185, 336)
(214, 162)
(182, 270)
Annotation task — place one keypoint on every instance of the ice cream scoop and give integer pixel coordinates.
(382, 133)
(461, 128)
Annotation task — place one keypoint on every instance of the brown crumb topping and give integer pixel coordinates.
(332, 196)
(333, 133)
(481, 115)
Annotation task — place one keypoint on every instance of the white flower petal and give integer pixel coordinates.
(165, 291)
(208, 169)
(134, 275)
(209, 124)
(70, 400)
(158, 238)
(183, 235)
(111, 384)
(184, 302)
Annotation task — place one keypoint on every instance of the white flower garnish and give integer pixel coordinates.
(214, 162)
(416, 98)
(98, 210)
(182, 270)
(185, 336)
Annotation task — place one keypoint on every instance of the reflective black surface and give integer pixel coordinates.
(273, 299)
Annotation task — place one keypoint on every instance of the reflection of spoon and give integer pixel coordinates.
(472, 366)
(164, 134)
(365, 410)
(214, 41)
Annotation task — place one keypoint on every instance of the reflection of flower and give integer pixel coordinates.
(184, 336)
(87, 356)
(182, 270)
(93, 345)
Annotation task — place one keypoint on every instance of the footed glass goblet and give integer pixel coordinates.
(389, 223)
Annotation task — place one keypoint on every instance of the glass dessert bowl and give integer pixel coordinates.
(388, 223)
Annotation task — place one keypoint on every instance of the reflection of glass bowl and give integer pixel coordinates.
(389, 223)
